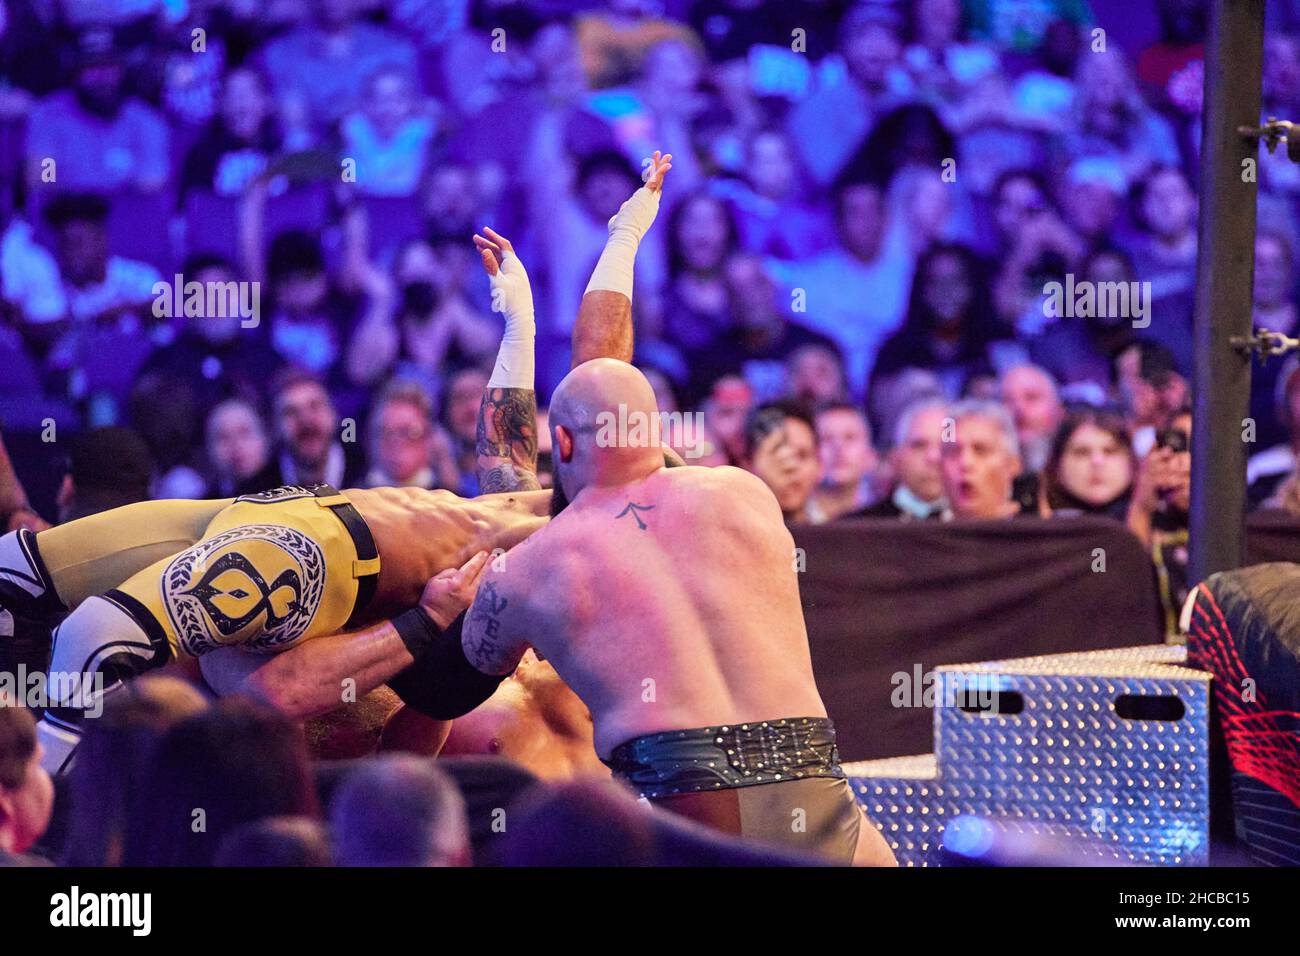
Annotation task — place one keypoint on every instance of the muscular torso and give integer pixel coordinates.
(534, 720)
(692, 620)
(419, 533)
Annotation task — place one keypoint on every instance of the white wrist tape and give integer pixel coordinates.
(513, 297)
(613, 272)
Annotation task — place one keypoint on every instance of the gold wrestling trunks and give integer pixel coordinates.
(267, 571)
(149, 581)
(774, 780)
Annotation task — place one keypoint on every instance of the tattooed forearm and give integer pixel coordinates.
(507, 425)
(504, 477)
(486, 647)
(507, 440)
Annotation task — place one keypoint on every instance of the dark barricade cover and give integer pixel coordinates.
(887, 601)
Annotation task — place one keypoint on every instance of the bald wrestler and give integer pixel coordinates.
(667, 599)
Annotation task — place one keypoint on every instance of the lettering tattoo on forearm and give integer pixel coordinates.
(633, 510)
(507, 440)
(485, 646)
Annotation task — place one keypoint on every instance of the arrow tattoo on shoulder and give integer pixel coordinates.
(633, 509)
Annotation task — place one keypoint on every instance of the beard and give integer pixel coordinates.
(559, 500)
(559, 497)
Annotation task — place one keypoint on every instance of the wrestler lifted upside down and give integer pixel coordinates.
(264, 573)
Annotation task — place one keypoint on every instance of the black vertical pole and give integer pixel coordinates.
(1224, 275)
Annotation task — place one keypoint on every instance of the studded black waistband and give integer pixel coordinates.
(729, 756)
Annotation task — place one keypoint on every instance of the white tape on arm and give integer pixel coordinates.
(513, 297)
(613, 272)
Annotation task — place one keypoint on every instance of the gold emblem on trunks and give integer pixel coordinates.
(256, 585)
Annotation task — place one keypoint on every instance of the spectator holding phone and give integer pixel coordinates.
(1158, 510)
(1162, 491)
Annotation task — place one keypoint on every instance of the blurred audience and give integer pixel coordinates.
(1275, 310)
(218, 353)
(276, 842)
(104, 786)
(96, 135)
(388, 137)
(1091, 465)
(1079, 351)
(854, 292)
(107, 468)
(15, 509)
(238, 143)
(916, 462)
(238, 449)
(26, 793)
(1158, 510)
(819, 244)
(816, 374)
(760, 341)
(434, 329)
(1151, 389)
(407, 447)
(211, 773)
(1030, 395)
(702, 236)
(460, 417)
(950, 322)
(726, 410)
(1271, 470)
(399, 810)
(781, 448)
(848, 462)
(981, 462)
(98, 284)
(321, 66)
(312, 449)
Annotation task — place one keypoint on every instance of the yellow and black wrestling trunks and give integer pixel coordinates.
(775, 780)
(267, 570)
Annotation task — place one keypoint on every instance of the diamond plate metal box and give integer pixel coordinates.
(904, 799)
(1109, 748)
(1104, 753)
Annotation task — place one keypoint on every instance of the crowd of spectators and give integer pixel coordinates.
(847, 284)
(168, 777)
(868, 205)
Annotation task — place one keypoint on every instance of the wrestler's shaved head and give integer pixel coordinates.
(605, 427)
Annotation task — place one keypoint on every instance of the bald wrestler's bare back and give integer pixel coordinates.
(667, 598)
(631, 593)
